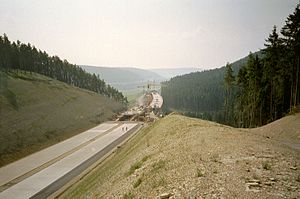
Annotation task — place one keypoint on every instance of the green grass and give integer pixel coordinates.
(132, 96)
(158, 165)
(266, 165)
(134, 167)
(137, 165)
(137, 183)
(158, 182)
(200, 173)
(128, 196)
(37, 111)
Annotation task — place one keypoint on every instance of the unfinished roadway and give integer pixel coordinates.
(41, 174)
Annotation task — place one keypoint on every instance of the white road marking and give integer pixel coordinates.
(35, 183)
(24, 165)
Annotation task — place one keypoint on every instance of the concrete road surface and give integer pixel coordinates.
(44, 172)
(157, 100)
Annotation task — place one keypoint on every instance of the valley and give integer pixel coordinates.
(150, 99)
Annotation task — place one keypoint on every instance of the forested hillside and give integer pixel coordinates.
(25, 57)
(251, 92)
(199, 94)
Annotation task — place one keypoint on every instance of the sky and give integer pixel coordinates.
(145, 33)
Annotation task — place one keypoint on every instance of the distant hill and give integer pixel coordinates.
(172, 72)
(124, 79)
(37, 111)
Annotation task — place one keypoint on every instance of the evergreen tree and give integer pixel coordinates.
(229, 81)
(291, 33)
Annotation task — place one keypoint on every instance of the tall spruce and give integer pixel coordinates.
(291, 39)
(228, 105)
(272, 76)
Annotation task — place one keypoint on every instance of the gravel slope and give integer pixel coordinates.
(180, 157)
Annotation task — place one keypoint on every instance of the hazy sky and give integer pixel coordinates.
(144, 33)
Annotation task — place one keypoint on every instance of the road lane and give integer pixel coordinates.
(32, 186)
(31, 162)
(157, 100)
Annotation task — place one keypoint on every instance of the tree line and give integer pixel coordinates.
(27, 58)
(267, 88)
(253, 91)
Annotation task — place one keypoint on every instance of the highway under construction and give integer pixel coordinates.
(44, 173)
(147, 109)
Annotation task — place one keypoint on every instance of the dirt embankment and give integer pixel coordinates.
(180, 157)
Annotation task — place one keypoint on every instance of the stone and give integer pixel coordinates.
(165, 195)
(253, 184)
(250, 187)
(254, 181)
(269, 183)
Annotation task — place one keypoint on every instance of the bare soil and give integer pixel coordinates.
(180, 157)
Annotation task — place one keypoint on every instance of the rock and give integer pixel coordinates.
(273, 179)
(165, 195)
(253, 184)
(269, 183)
(254, 181)
(249, 187)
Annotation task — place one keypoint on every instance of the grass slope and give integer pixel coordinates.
(190, 158)
(37, 111)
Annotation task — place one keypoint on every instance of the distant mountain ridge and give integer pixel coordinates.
(129, 78)
(119, 74)
(173, 72)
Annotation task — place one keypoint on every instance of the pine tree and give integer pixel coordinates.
(272, 71)
(291, 33)
(229, 80)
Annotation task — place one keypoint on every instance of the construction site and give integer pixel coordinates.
(148, 106)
